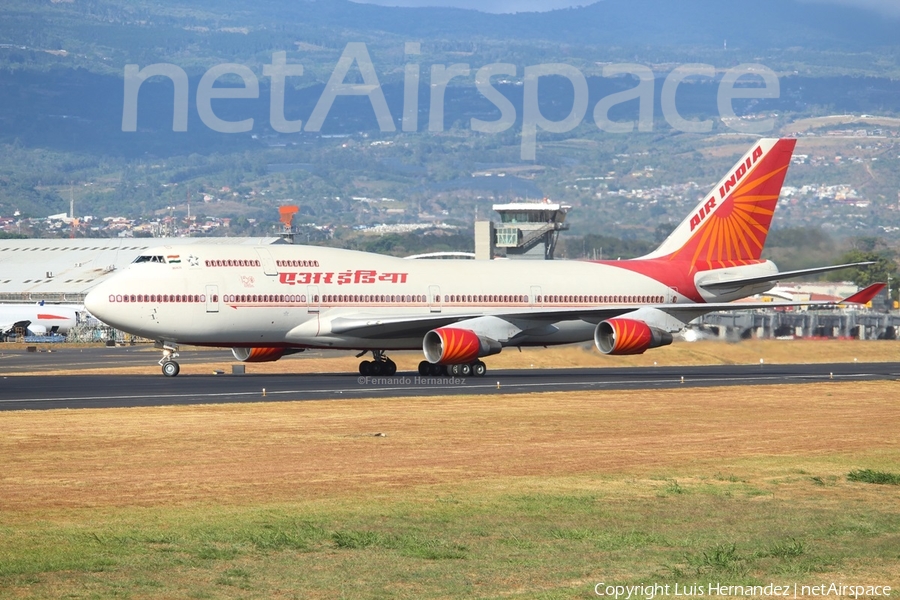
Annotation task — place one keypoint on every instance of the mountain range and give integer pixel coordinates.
(99, 34)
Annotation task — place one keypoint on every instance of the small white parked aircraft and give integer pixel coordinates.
(269, 301)
(39, 319)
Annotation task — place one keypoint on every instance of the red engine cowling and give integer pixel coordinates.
(628, 336)
(262, 354)
(450, 346)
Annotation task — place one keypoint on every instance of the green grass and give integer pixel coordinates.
(673, 488)
(870, 476)
(484, 543)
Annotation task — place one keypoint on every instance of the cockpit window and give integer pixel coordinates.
(148, 258)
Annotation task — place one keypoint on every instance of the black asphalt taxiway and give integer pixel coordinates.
(45, 391)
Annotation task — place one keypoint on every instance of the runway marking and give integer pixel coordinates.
(159, 396)
(594, 383)
(465, 387)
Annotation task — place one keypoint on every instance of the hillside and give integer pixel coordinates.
(61, 128)
(103, 35)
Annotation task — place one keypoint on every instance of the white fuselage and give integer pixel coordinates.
(283, 295)
(41, 318)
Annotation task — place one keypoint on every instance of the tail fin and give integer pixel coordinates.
(730, 226)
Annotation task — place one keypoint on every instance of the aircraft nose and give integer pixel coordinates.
(96, 302)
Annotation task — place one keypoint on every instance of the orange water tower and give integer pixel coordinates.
(287, 219)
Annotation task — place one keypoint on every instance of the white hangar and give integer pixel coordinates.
(65, 270)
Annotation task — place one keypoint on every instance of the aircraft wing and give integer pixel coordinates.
(373, 327)
(9, 327)
(727, 284)
(380, 326)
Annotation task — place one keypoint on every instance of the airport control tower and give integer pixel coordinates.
(527, 230)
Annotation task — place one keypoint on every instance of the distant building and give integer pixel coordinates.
(64, 270)
(527, 230)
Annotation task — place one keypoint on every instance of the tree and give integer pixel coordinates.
(662, 231)
(883, 269)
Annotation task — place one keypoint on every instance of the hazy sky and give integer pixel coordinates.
(891, 7)
(494, 6)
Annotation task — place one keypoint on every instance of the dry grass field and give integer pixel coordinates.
(804, 125)
(245, 453)
(520, 496)
(737, 144)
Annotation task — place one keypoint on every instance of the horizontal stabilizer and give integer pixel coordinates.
(864, 296)
(740, 282)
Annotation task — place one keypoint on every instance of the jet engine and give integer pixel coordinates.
(262, 354)
(450, 346)
(628, 336)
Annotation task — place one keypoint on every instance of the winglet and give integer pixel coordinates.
(864, 296)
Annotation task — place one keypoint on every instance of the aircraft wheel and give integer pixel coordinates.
(424, 367)
(365, 368)
(435, 370)
(454, 370)
(376, 368)
(170, 368)
(479, 369)
(465, 370)
(390, 368)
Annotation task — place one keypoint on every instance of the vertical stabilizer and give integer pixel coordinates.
(729, 227)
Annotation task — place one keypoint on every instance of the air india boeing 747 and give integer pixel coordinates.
(266, 302)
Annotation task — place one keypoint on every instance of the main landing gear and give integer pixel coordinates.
(381, 365)
(475, 369)
(170, 368)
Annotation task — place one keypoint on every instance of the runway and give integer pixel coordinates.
(106, 391)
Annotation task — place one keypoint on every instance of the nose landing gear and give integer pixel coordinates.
(381, 365)
(170, 368)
